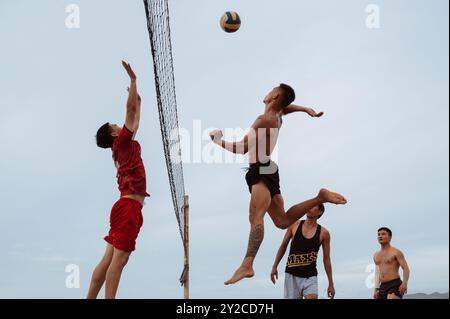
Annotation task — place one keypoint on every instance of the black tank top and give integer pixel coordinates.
(302, 259)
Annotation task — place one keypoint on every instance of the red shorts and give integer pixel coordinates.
(125, 222)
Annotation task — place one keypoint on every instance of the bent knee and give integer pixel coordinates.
(121, 260)
(281, 223)
(256, 220)
(256, 216)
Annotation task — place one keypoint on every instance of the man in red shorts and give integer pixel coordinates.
(126, 214)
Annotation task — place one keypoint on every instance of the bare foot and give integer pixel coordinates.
(241, 273)
(330, 197)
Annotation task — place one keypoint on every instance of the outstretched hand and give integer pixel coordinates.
(129, 70)
(313, 113)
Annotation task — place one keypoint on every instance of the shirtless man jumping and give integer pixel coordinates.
(263, 178)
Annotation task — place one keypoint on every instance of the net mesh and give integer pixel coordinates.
(157, 13)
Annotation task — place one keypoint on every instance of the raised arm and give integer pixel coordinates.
(297, 108)
(137, 118)
(327, 262)
(402, 262)
(133, 103)
(280, 254)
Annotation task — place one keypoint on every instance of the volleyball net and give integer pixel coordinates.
(157, 13)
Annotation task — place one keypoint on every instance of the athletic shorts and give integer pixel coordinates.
(298, 287)
(390, 287)
(125, 222)
(266, 173)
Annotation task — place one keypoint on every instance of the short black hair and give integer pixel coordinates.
(387, 230)
(322, 210)
(288, 95)
(104, 137)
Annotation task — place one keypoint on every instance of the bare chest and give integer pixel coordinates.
(385, 259)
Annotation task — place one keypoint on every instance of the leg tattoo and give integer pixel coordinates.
(255, 240)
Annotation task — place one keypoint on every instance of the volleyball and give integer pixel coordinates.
(230, 22)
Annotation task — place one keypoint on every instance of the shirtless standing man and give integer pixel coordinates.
(388, 260)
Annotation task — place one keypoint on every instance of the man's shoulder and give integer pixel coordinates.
(296, 224)
(324, 233)
(396, 251)
(323, 229)
(293, 228)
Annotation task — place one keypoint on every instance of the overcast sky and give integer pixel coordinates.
(383, 141)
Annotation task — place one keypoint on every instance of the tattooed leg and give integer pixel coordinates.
(255, 240)
(259, 204)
